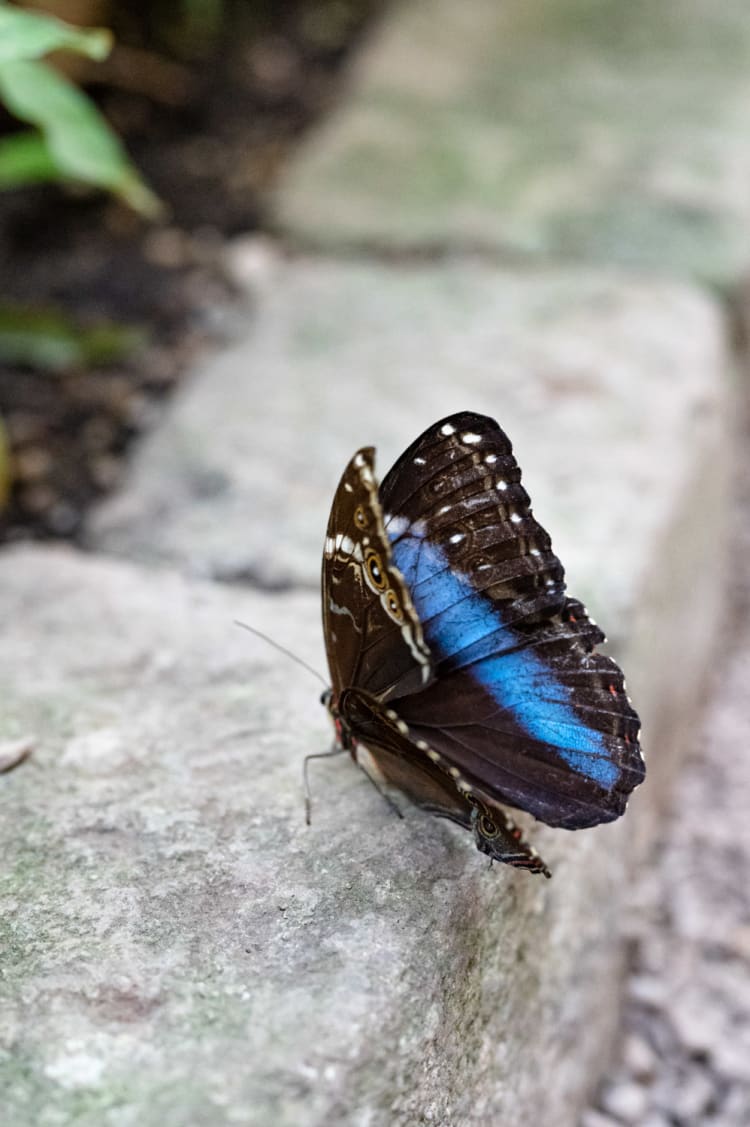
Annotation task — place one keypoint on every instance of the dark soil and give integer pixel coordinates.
(209, 122)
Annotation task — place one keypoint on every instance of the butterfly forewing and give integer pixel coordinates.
(520, 702)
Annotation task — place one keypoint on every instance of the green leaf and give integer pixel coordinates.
(25, 159)
(26, 35)
(49, 341)
(79, 141)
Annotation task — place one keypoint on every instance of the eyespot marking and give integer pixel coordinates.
(487, 827)
(393, 606)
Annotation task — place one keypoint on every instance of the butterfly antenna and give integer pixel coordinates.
(282, 649)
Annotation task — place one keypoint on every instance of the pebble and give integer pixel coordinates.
(626, 1101)
(640, 1059)
(597, 1119)
(694, 1095)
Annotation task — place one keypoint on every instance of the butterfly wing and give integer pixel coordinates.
(376, 651)
(401, 760)
(373, 635)
(520, 703)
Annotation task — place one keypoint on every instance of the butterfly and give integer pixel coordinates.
(457, 660)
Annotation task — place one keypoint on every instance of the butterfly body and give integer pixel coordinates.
(457, 659)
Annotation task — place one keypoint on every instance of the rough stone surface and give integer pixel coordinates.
(177, 948)
(582, 129)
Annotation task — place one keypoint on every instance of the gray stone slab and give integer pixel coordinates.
(178, 950)
(608, 386)
(546, 128)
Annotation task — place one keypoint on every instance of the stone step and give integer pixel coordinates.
(180, 949)
(605, 393)
(562, 129)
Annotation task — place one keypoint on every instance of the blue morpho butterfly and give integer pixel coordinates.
(456, 657)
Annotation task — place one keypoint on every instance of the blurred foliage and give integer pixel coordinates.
(49, 341)
(5, 474)
(71, 141)
(199, 25)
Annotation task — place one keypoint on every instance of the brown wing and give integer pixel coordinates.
(373, 636)
(434, 784)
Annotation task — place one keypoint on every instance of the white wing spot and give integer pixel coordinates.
(444, 509)
(455, 773)
(447, 428)
(359, 460)
(348, 487)
(502, 485)
(396, 525)
(422, 745)
(490, 459)
(463, 786)
(419, 462)
(534, 552)
(470, 438)
(456, 538)
(433, 755)
(516, 518)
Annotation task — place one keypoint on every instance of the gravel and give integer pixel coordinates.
(684, 1055)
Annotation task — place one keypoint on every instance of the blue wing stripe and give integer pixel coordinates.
(517, 679)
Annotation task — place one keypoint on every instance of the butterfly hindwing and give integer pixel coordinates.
(412, 767)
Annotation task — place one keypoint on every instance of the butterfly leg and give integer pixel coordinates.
(501, 839)
(337, 749)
